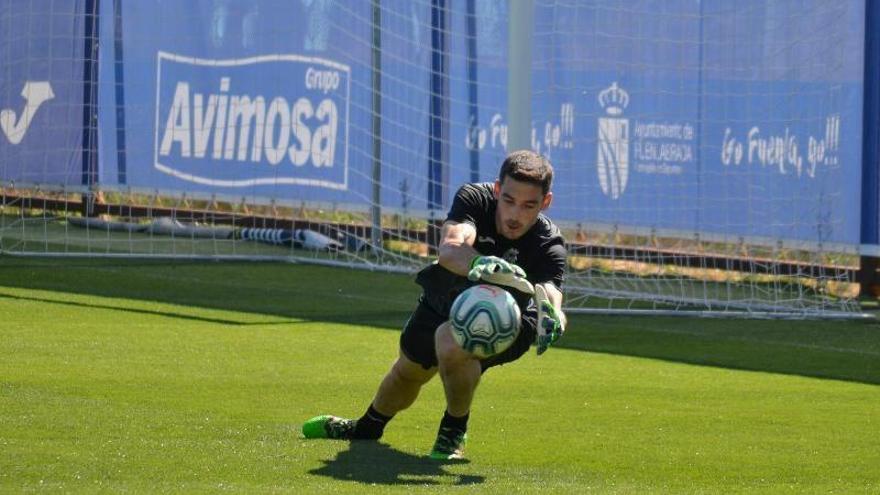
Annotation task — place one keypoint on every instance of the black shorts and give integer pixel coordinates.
(417, 339)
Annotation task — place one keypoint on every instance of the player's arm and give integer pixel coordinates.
(551, 318)
(457, 254)
(456, 247)
(554, 297)
(548, 298)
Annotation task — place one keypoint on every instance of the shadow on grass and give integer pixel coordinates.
(166, 314)
(301, 292)
(378, 463)
(842, 350)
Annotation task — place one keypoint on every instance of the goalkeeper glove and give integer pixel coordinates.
(550, 322)
(494, 270)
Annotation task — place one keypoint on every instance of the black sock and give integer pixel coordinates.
(371, 425)
(458, 423)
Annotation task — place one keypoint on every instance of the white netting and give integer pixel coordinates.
(711, 133)
(698, 146)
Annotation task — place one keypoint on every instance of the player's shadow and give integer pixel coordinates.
(378, 463)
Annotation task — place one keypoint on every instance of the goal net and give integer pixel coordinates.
(707, 154)
(716, 149)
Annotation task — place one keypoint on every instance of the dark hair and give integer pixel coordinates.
(528, 166)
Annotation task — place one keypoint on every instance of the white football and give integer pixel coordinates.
(485, 320)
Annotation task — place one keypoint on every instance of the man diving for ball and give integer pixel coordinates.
(494, 233)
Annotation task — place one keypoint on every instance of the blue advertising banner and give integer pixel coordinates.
(871, 131)
(238, 98)
(738, 119)
(215, 126)
(41, 92)
(266, 99)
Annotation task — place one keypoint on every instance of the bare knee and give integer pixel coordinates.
(449, 353)
(411, 373)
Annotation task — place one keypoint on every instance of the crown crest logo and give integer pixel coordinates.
(614, 99)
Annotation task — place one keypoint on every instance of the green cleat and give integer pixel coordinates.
(327, 426)
(449, 445)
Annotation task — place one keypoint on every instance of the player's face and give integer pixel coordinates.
(519, 204)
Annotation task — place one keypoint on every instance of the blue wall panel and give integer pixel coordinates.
(243, 98)
(41, 92)
(732, 118)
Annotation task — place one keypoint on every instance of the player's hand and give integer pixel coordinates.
(551, 324)
(494, 270)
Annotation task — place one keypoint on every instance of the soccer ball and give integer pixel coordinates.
(485, 320)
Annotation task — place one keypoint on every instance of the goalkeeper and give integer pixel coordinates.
(495, 233)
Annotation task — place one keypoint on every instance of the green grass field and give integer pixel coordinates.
(144, 376)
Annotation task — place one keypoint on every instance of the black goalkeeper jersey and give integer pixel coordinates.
(540, 252)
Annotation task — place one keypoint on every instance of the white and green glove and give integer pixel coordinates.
(550, 322)
(496, 271)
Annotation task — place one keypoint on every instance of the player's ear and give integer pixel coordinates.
(497, 189)
(548, 198)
